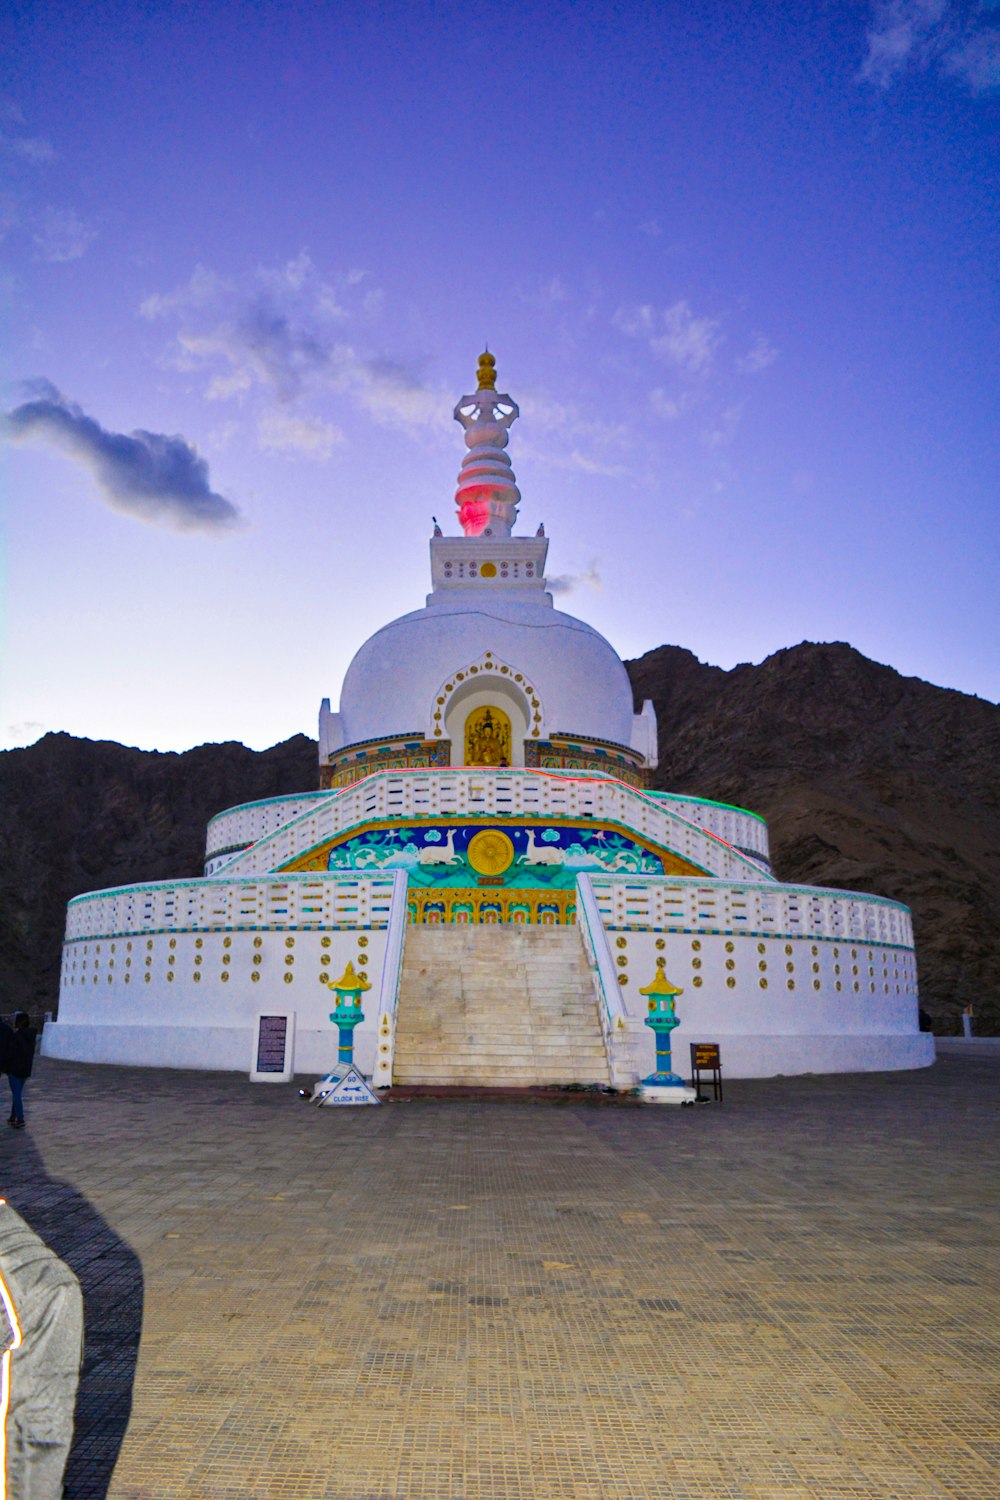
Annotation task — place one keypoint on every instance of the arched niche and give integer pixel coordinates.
(486, 683)
(469, 701)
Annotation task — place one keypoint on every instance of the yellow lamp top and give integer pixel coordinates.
(661, 986)
(350, 981)
(487, 372)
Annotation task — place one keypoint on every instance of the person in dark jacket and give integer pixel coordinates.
(20, 1054)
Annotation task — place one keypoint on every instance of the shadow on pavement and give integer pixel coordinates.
(110, 1277)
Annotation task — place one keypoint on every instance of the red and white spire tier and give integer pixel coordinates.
(487, 496)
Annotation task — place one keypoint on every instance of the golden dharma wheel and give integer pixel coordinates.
(490, 852)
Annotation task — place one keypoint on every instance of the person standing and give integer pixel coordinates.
(6, 1051)
(20, 1054)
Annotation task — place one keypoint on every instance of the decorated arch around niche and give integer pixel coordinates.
(488, 710)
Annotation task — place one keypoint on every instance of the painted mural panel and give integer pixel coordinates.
(515, 856)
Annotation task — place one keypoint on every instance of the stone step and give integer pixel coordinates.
(503, 1005)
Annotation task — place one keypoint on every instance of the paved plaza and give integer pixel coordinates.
(793, 1295)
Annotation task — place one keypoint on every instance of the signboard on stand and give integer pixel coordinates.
(706, 1058)
(345, 1085)
(273, 1045)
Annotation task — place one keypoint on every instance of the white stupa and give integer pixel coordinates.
(485, 889)
(487, 636)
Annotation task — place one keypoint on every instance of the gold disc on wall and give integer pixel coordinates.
(490, 852)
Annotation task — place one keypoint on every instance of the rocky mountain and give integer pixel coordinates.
(869, 781)
(79, 815)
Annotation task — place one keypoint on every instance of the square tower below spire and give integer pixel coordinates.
(511, 566)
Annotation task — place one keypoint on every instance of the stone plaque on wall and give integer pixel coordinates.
(274, 1035)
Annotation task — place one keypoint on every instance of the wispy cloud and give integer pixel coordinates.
(19, 736)
(675, 334)
(668, 406)
(61, 235)
(760, 354)
(263, 347)
(565, 583)
(277, 334)
(723, 429)
(147, 475)
(203, 288)
(963, 40)
(975, 59)
(33, 149)
(30, 148)
(392, 393)
(281, 430)
(563, 436)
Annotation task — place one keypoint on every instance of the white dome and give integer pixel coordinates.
(394, 682)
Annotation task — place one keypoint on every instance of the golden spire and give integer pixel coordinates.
(487, 372)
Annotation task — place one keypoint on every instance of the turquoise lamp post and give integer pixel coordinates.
(349, 988)
(662, 1018)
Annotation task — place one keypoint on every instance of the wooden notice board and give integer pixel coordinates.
(706, 1058)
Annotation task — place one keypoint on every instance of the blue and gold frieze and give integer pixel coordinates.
(521, 853)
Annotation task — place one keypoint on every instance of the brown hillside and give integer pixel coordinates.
(868, 780)
(79, 815)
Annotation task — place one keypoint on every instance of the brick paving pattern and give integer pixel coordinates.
(790, 1296)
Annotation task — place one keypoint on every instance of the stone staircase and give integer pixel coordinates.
(507, 1006)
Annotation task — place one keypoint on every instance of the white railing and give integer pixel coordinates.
(339, 899)
(763, 909)
(747, 830)
(453, 795)
(610, 1000)
(237, 827)
(389, 988)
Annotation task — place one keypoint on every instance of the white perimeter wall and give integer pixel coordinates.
(786, 979)
(156, 975)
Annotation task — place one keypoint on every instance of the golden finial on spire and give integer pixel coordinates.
(487, 372)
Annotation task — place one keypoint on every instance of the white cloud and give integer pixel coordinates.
(722, 433)
(30, 148)
(18, 736)
(900, 34)
(61, 235)
(760, 354)
(565, 583)
(666, 406)
(279, 429)
(203, 288)
(674, 334)
(390, 393)
(976, 60)
(907, 34)
(262, 347)
(562, 436)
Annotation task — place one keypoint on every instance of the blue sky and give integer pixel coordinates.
(738, 265)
